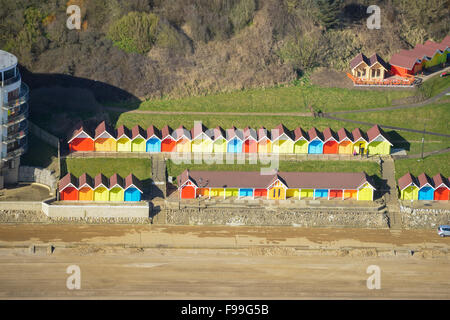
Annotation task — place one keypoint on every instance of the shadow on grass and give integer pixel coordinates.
(398, 141)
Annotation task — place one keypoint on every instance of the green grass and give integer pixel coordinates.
(434, 86)
(435, 117)
(370, 168)
(279, 99)
(430, 165)
(141, 168)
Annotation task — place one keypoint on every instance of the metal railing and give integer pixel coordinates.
(16, 118)
(23, 97)
(12, 80)
(16, 152)
(19, 134)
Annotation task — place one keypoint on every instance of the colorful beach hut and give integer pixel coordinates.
(116, 188)
(81, 139)
(153, 139)
(442, 187)
(409, 187)
(235, 140)
(282, 141)
(264, 143)
(105, 138)
(250, 141)
(68, 188)
(315, 145)
(133, 188)
(345, 142)
(101, 188)
(219, 140)
(331, 142)
(182, 137)
(277, 186)
(378, 141)
(138, 139)
(300, 141)
(201, 141)
(123, 139)
(86, 188)
(168, 143)
(359, 141)
(426, 189)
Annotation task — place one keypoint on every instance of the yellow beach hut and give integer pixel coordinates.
(101, 188)
(409, 187)
(104, 138)
(123, 139)
(282, 141)
(138, 139)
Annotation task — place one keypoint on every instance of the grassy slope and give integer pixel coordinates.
(430, 165)
(307, 166)
(141, 168)
(281, 99)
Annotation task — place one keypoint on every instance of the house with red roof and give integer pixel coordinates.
(81, 138)
(373, 68)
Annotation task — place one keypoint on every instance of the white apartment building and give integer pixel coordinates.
(13, 118)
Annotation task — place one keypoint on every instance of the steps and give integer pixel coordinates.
(159, 184)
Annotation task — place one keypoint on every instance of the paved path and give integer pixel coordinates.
(391, 195)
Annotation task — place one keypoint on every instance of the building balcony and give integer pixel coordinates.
(17, 151)
(16, 117)
(21, 99)
(17, 134)
(9, 81)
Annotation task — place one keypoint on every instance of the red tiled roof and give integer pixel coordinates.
(102, 128)
(180, 132)
(374, 132)
(131, 180)
(358, 60)
(440, 180)
(197, 130)
(218, 132)
(114, 180)
(66, 181)
(406, 180)
(357, 134)
(250, 133)
(85, 179)
(123, 131)
(101, 179)
(343, 133)
(279, 130)
(239, 179)
(136, 131)
(263, 133)
(166, 131)
(233, 132)
(423, 179)
(79, 128)
(313, 133)
(153, 131)
(376, 58)
(403, 61)
(329, 134)
(300, 133)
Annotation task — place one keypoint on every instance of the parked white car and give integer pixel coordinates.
(444, 231)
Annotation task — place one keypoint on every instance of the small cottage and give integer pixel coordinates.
(153, 139)
(81, 139)
(68, 188)
(105, 138)
(123, 139)
(373, 68)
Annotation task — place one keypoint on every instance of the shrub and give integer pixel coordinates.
(135, 32)
(242, 14)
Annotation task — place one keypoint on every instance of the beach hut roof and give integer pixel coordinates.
(181, 132)
(116, 180)
(329, 134)
(439, 181)
(199, 129)
(67, 181)
(375, 58)
(99, 180)
(279, 130)
(234, 133)
(123, 131)
(313, 134)
(132, 182)
(217, 133)
(166, 131)
(407, 180)
(406, 61)
(85, 180)
(239, 179)
(153, 131)
(376, 131)
(138, 131)
(102, 128)
(356, 61)
(343, 134)
(263, 133)
(357, 134)
(250, 133)
(299, 133)
(80, 128)
(423, 180)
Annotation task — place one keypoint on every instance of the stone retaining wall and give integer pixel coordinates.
(424, 218)
(38, 175)
(96, 211)
(288, 217)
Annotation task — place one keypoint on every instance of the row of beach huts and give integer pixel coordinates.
(201, 139)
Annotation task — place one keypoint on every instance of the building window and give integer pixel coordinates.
(9, 74)
(378, 73)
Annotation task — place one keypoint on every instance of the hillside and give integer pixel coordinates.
(173, 48)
